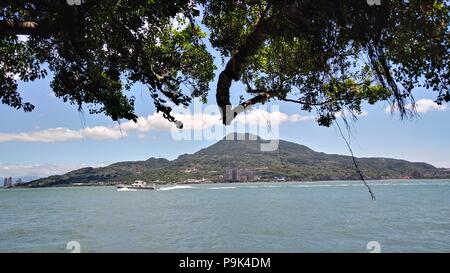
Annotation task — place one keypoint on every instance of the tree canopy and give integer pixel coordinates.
(324, 55)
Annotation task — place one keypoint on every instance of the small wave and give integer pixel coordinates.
(375, 184)
(177, 187)
(313, 186)
(126, 189)
(221, 188)
(413, 184)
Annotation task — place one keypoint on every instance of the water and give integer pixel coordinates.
(408, 216)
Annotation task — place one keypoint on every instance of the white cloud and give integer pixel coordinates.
(39, 170)
(421, 106)
(200, 121)
(48, 135)
(347, 113)
(297, 118)
(426, 105)
(64, 134)
(153, 122)
(259, 117)
(102, 132)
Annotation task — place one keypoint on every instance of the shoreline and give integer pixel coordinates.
(225, 183)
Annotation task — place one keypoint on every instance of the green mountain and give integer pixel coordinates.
(290, 161)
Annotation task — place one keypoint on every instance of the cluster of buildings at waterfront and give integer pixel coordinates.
(238, 175)
(7, 183)
(193, 180)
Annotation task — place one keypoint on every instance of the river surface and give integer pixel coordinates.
(408, 216)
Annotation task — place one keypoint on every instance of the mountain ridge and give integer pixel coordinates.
(290, 162)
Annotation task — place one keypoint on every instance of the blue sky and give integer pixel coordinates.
(56, 138)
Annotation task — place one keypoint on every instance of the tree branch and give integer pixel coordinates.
(233, 68)
(308, 103)
(264, 96)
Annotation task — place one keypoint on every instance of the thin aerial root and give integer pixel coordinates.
(356, 164)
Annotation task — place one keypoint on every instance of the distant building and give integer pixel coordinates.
(228, 175)
(231, 175)
(236, 175)
(279, 178)
(193, 180)
(405, 177)
(246, 176)
(7, 183)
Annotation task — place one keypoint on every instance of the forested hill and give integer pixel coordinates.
(291, 161)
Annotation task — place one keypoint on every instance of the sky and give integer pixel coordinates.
(56, 137)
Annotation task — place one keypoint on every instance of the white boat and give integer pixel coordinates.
(137, 185)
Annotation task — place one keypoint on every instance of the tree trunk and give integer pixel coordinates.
(233, 68)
